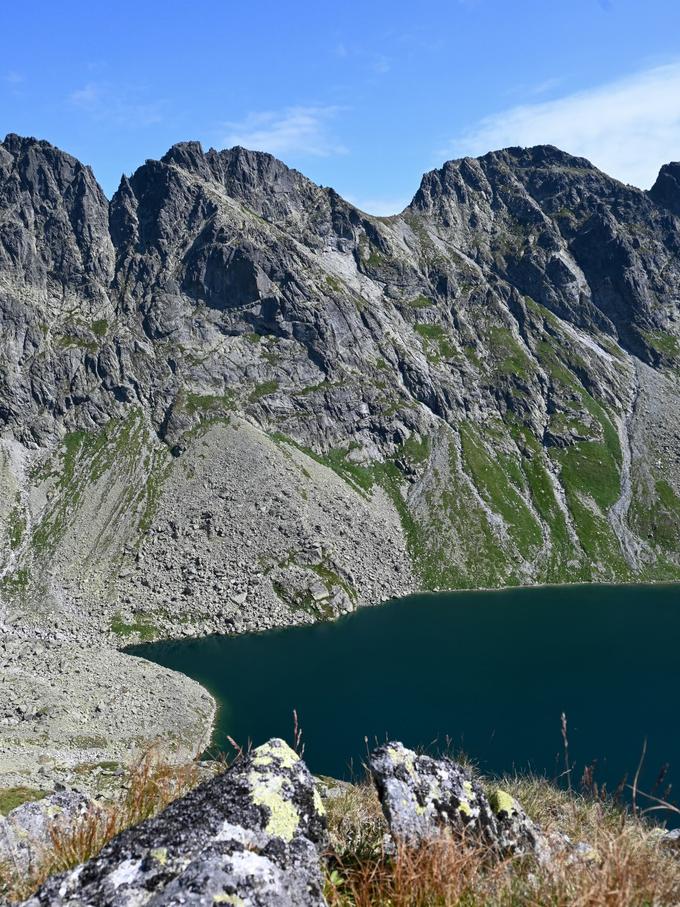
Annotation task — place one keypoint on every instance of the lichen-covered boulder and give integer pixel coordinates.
(515, 833)
(250, 837)
(421, 797)
(25, 833)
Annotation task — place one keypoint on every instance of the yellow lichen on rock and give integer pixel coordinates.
(318, 804)
(405, 758)
(501, 802)
(275, 750)
(263, 760)
(283, 817)
(160, 854)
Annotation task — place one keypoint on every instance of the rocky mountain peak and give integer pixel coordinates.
(525, 290)
(666, 189)
(56, 215)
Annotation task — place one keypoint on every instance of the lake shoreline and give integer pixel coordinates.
(527, 642)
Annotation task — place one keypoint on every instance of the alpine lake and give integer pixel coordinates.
(486, 673)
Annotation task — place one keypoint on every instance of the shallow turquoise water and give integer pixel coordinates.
(490, 671)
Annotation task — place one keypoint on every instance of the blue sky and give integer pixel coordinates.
(363, 96)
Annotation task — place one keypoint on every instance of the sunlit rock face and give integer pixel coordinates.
(231, 400)
(252, 835)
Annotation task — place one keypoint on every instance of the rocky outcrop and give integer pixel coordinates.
(26, 833)
(256, 833)
(666, 189)
(253, 835)
(423, 798)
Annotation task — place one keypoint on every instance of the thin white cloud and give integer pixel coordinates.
(14, 77)
(382, 64)
(627, 128)
(120, 106)
(86, 97)
(293, 130)
(379, 206)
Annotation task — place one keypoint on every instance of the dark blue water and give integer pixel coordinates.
(489, 671)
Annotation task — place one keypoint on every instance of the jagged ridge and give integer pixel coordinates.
(493, 369)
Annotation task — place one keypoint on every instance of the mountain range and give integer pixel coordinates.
(230, 400)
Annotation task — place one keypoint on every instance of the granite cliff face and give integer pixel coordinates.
(231, 400)
(227, 353)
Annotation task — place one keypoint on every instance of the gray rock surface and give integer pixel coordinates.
(671, 839)
(424, 797)
(71, 713)
(251, 836)
(25, 833)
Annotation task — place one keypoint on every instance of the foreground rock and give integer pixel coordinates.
(27, 831)
(422, 797)
(251, 836)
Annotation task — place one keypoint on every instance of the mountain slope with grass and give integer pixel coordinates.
(230, 400)
(483, 386)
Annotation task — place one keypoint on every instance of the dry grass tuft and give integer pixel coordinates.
(149, 787)
(625, 867)
(445, 872)
(356, 825)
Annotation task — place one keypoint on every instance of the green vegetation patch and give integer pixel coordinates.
(141, 626)
(666, 344)
(609, 432)
(15, 583)
(159, 469)
(208, 403)
(73, 341)
(16, 527)
(11, 797)
(414, 449)
(84, 458)
(497, 480)
(100, 327)
(420, 302)
(655, 514)
(263, 390)
(359, 477)
(598, 540)
(330, 579)
(314, 388)
(510, 357)
(590, 468)
(554, 365)
(437, 341)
